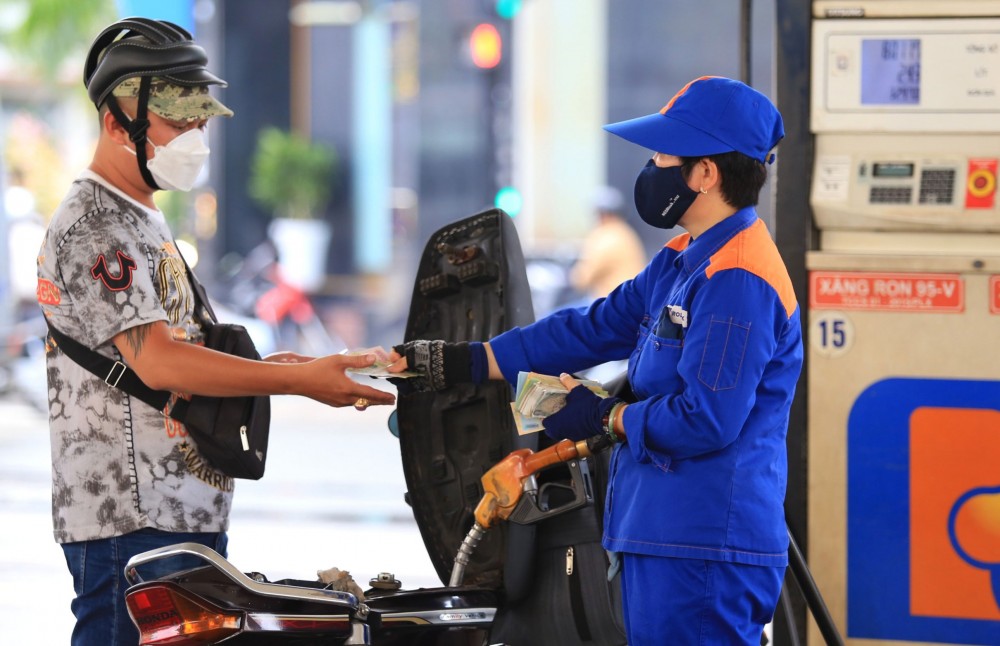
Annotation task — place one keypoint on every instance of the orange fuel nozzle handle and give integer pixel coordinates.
(504, 483)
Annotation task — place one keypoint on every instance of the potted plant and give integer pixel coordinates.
(293, 178)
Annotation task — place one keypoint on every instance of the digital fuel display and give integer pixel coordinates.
(892, 169)
(890, 71)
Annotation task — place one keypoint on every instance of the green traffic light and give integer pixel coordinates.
(509, 199)
(508, 8)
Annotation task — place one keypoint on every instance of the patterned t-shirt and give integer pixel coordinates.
(106, 265)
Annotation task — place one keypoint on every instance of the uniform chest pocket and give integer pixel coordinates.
(725, 349)
(655, 365)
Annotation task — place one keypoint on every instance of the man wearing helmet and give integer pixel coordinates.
(126, 479)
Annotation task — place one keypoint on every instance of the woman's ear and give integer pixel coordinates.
(708, 174)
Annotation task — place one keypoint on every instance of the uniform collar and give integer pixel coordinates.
(701, 248)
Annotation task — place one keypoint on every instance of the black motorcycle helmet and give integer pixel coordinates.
(144, 48)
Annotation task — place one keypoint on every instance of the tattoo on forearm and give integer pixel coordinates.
(136, 337)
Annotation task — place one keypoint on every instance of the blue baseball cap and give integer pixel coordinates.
(709, 116)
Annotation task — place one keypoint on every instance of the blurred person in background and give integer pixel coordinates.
(711, 328)
(25, 230)
(611, 253)
(126, 479)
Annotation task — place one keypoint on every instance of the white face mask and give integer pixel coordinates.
(176, 166)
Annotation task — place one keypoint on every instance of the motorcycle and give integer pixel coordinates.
(217, 603)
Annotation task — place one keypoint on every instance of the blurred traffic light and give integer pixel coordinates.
(509, 199)
(485, 46)
(508, 8)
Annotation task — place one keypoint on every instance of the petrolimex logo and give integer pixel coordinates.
(923, 546)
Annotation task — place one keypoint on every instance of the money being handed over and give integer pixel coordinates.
(538, 396)
(378, 370)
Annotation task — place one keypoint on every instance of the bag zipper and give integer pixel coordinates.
(577, 604)
(244, 439)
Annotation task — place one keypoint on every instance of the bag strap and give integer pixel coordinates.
(114, 373)
(200, 295)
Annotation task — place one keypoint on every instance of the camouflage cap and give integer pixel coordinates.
(175, 102)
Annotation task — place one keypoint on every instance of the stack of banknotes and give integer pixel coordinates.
(538, 396)
(379, 369)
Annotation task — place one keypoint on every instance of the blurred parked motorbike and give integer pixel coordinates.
(255, 288)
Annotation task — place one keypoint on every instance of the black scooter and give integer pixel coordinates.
(217, 603)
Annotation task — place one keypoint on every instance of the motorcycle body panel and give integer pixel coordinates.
(433, 616)
(292, 611)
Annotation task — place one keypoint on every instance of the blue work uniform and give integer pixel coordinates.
(712, 333)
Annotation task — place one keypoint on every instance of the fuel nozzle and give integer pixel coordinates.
(593, 445)
(507, 481)
(464, 553)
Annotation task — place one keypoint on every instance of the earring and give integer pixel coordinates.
(703, 191)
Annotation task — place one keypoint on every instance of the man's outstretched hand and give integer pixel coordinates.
(329, 383)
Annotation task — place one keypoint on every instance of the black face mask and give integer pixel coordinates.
(662, 196)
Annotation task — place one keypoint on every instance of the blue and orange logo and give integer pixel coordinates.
(924, 512)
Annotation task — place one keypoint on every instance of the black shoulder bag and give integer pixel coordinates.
(230, 432)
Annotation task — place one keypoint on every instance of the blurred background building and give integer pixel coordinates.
(416, 113)
(395, 118)
(432, 110)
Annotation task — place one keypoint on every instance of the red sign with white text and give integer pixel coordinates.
(872, 291)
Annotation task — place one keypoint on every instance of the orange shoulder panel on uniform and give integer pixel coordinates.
(679, 243)
(754, 251)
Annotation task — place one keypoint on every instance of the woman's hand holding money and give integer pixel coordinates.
(583, 415)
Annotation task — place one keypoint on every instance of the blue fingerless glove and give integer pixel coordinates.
(582, 417)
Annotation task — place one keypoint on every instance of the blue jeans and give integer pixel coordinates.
(98, 569)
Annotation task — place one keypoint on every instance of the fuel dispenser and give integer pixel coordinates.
(904, 320)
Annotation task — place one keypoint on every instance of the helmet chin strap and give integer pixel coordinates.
(136, 127)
